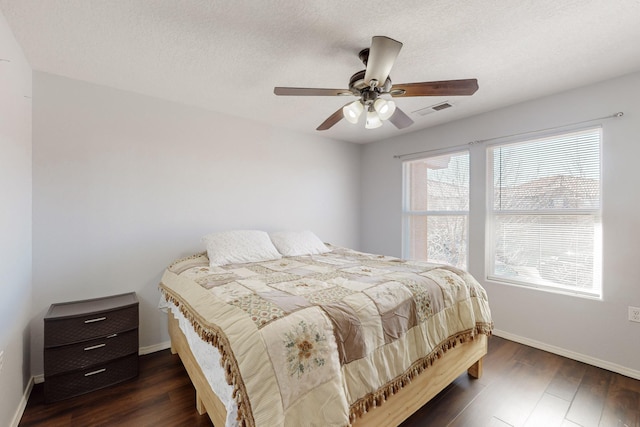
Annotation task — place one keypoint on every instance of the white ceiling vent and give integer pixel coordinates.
(433, 108)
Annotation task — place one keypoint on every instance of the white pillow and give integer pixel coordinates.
(239, 246)
(297, 243)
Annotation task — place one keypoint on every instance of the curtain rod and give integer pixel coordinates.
(480, 141)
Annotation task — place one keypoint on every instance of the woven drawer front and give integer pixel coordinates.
(58, 387)
(82, 328)
(88, 353)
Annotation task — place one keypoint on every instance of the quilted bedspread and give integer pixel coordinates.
(329, 335)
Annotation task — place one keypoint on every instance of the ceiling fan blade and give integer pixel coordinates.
(303, 91)
(382, 55)
(400, 119)
(332, 119)
(441, 88)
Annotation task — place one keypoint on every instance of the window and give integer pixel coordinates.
(436, 209)
(545, 213)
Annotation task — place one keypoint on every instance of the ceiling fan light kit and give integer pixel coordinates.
(353, 111)
(365, 85)
(373, 120)
(384, 108)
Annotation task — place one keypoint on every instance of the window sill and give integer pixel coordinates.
(549, 289)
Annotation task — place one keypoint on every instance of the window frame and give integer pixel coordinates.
(407, 213)
(596, 292)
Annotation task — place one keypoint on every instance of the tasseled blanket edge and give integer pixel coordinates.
(219, 340)
(377, 398)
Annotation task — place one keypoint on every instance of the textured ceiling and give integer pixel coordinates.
(228, 55)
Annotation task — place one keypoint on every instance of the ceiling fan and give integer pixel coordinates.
(372, 83)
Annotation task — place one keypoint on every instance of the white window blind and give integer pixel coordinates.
(436, 209)
(545, 212)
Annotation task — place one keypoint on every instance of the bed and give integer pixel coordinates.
(326, 337)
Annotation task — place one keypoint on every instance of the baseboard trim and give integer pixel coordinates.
(632, 373)
(23, 403)
(622, 370)
(153, 348)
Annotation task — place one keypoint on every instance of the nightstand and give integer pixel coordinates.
(89, 345)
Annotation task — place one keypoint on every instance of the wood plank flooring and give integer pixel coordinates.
(520, 387)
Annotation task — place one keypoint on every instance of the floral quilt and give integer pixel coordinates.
(325, 334)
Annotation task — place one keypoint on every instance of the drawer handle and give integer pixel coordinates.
(99, 371)
(97, 319)
(112, 336)
(93, 347)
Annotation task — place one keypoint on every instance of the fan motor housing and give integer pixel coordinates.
(357, 85)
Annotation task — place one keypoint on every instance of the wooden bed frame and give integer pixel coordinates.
(398, 407)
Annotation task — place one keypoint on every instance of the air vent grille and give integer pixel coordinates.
(433, 108)
(442, 106)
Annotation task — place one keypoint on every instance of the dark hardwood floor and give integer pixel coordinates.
(521, 386)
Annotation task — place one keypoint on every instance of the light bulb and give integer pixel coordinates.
(352, 111)
(373, 120)
(384, 108)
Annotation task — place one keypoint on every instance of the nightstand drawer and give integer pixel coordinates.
(58, 387)
(88, 353)
(81, 328)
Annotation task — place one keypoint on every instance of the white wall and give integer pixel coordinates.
(595, 331)
(15, 222)
(123, 184)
